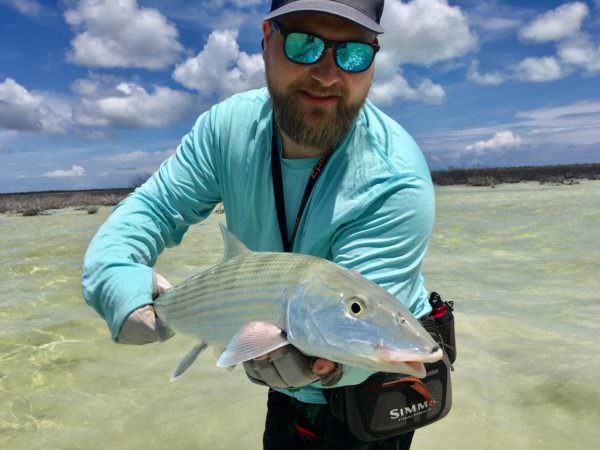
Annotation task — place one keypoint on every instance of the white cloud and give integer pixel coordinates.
(579, 109)
(27, 7)
(119, 33)
(487, 79)
(548, 133)
(531, 70)
(244, 3)
(19, 109)
(575, 49)
(137, 163)
(214, 15)
(554, 25)
(431, 93)
(420, 32)
(540, 69)
(221, 68)
(74, 171)
(502, 139)
(138, 156)
(94, 134)
(22, 110)
(105, 102)
(493, 19)
(214, 4)
(497, 24)
(94, 86)
(387, 92)
(425, 32)
(581, 52)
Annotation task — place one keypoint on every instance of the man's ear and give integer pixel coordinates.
(266, 29)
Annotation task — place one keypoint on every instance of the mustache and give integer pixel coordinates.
(315, 88)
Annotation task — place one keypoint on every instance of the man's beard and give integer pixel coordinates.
(313, 127)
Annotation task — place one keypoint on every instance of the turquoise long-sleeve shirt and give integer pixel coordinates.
(371, 210)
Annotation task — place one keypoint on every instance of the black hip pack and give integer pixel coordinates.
(389, 404)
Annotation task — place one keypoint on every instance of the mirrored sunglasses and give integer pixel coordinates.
(307, 48)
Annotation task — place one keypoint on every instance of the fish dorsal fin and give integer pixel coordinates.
(233, 246)
(252, 340)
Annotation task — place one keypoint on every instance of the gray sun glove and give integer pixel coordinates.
(287, 368)
(143, 326)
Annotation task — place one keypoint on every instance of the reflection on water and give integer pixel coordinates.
(521, 261)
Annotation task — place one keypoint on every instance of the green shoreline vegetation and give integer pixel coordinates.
(38, 203)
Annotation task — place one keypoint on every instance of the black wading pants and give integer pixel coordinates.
(293, 425)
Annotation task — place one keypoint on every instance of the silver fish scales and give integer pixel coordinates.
(255, 302)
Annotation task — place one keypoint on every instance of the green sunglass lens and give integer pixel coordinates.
(303, 48)
(354, 56)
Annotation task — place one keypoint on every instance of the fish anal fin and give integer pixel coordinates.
(252, 340)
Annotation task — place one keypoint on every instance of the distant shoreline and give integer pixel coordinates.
(36, 203)
(559, 174)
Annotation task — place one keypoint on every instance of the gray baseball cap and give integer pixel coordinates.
(366, 13)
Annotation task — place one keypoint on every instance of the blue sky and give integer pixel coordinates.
(94, 93)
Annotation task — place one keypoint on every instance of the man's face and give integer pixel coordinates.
(315, 105)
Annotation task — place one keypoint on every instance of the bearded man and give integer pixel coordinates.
(307, 165)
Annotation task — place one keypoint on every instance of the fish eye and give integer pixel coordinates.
(356, 306)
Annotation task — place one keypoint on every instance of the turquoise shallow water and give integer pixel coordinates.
(521, 261)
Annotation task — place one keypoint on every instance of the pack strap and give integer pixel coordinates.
(288, 242)
(413, 382)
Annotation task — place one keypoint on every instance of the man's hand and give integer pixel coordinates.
(323, 367)
(287, 367)
(143, 326)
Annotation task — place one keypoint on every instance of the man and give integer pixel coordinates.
(369, 206)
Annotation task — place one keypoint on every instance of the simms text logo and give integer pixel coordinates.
(408, 412)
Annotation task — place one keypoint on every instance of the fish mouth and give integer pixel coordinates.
(408, 363)
(414, 368)
(390, 355)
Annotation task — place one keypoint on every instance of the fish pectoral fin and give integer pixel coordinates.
(252, 340)
(217, 352)
(188, 360)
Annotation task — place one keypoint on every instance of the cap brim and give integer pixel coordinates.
(336, 9)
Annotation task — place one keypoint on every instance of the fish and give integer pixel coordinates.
(253, 303)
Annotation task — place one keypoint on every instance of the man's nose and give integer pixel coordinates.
(326, 70)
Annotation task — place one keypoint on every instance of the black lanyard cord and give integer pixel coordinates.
(288, 243)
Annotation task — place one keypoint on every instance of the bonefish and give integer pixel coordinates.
(253, 303)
